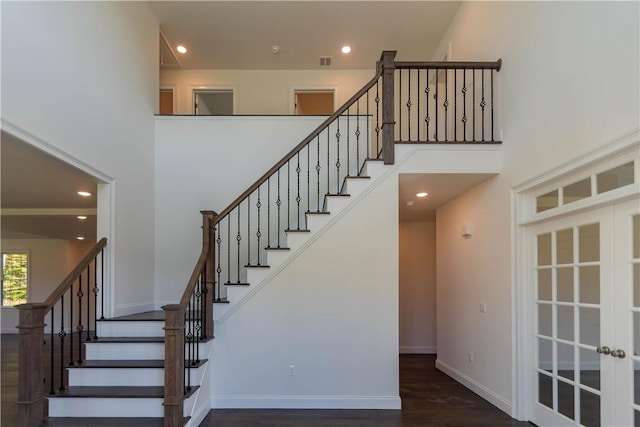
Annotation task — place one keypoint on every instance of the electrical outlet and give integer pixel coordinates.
(483, 307)
(292, 370)
(470, 357)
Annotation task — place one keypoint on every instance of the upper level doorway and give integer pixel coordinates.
(312, 102)
(213, 102)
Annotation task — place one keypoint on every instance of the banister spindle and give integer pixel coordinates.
(80, 326)
(464, 105)
(71, 295)
(492, 128)
(427, 91)
(357, 136)
(348, 143)
(436, 106)
(249, 229)
(318, 168)
(473, 102)
(238, 239)
(278, 203)
(338, 156)
(88, 303)
(95, 298)
(102, 283)
(445, 104)
(482, 105)
(455, 105)
(418, 106)
(378, 127)
(298, 198)
(288, 194)
(51, 350)
(62, 334)
(408, 106)
(258, 233)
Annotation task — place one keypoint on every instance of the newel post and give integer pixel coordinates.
(173, 365)
(209, 240)
(388, 119)
(30, 376)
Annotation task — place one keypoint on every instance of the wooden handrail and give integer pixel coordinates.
(71, 277)
(301, 145)
(447, 65)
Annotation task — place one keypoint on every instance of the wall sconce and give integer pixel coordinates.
(467, 231)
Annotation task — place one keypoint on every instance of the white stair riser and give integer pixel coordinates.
(335, 204)
(99, 407)
(220, 310)
(275, 258)
(316, 222)
(374, 169)
(124, 376)
(296, 240)
(257, 275)
(130, 329)
(128, 351)
(236, 292)
(356, 186)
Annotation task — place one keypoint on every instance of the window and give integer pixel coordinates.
(14, 278)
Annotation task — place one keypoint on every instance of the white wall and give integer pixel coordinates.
(263, 91)
(417, 254)
(559, 100)
(50, 260)
(204, 163)
(93, 67)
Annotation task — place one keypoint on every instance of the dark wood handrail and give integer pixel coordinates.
(71, 277)
(301, 145)
(447, 65)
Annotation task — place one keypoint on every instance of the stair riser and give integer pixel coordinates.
(356, 186)
(275, 258)
(124, 376)
(296, 240)
(374, 169)
(99, 407)
(130, 329)
(256, 275)
(316, 222)
(235, 293)
(130, 351)
(336, 204)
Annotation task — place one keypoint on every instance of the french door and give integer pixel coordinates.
(585, 329)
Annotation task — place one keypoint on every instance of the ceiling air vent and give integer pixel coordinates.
(325, 61)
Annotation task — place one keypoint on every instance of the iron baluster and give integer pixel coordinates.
(436, 104)
(288, 195)
(102, 283)
(248, 229)
(482, 105)
(216, 291)
(377, 99)
(400, 105)
(278, 203)
(492, 128)
(71, 362)
(318, 167)
(269, 212)
(464, 105)
(62, 334)
(427, 90)
(298, 198)
(473, 110)
(238, 239)
(418, 107)
(308, 178)
(455, 105)
(348, 143)
(51, 390)
(229, 248)
(358, 137)
(328, 152)
(203, 302)
(88, 302)
(408, 105)
(338, 156)
(446, 105)
(95, 298)
(368, 124)
(188, 340)
(258, 233)
(80, 327)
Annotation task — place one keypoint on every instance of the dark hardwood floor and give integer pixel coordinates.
(429, 399)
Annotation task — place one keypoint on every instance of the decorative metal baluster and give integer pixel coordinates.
(464, 105)
(278, 203)
(473, 111)
(437, 107)
(95, 298)
(482, 105)
(198, 318)
(258, 233)
(51, 390)
(418, 110)
(368, 125)
(188, 340)
(269, 212)
(216, 291)
(408, 105)
(288, 195)
(102, 283)
(338, 156)
(88, 302)
(238, 239)
(348, 143)
(318, 167)
(377, 99)
(328, 152)
(298, 198)
(446, 105)
(62, 334)
(427, 91)
(71, 362)
(229, 248)
(248, 229)
(308, 178)
(358, 137)
(455, 104)
(203, 304)
(80, 328)
(400, 105)
(492, 129)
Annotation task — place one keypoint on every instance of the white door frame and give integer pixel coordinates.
(311, 88)
(193, 88)
(523, 214)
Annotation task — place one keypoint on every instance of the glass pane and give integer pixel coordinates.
(544, 319)
(545, 355)
(589, 326)
(565, 322)
(544, 284)
(636, 334)
(547, 201)
(590, 368)
(564, 246)
(589, 409)
(636, 382)
(565, 399)
(576, 191)
(544, 249)
(565, 284)
(636, 236)
(590, 284)
(615, 178)
(589, 242)
(636, 285)
(545, 390)
(566, 359)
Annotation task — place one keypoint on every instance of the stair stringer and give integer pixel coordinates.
(403, 153)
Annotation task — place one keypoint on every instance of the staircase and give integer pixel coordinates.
(123, 374)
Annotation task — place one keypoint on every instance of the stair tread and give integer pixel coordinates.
(289, 230)
(125, 364)
(156, 315)
(105, 340)
(117, 392)
(338, 195)
(276, 249)
(257, 266)
(221, 301)
(357, 177)
(236, 284)
(107, 422)
(317, 213)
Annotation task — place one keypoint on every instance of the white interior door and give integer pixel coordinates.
(586, 315)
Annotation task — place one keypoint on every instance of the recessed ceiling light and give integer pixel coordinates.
(181, 49)
(346, 49)
(422, 194)
(80, 238)
(84, 193)
(81, 217)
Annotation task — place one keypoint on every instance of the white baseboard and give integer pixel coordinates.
(418, 350)
(126, 309)
(488, 395)
(305, 402)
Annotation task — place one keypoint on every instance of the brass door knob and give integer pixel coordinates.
(618, 353)
(603, 350)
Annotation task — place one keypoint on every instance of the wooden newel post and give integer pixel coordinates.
(209, 240)
(388, 119)
(30, 376)
(173, 365)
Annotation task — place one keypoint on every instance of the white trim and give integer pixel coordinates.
(488, 395)
(419, 349)
(305, 402)
(133, 308)
(204, 87)
(311, 88)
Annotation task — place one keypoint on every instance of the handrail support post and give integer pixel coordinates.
(209, 241)
(388, 121)
(173, 365)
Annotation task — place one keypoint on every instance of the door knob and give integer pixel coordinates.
(618, 353)
(604, 350)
